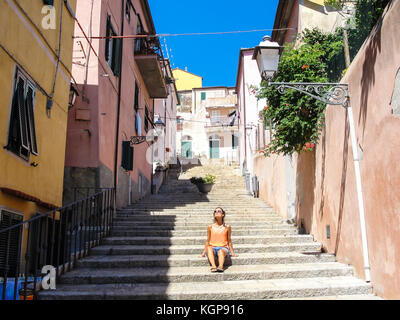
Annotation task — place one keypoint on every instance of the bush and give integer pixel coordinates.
(207, 179)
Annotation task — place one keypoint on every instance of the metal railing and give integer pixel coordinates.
(57, 238)
(215, 121)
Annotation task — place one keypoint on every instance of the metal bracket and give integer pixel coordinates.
(140, 139)
(329, 93)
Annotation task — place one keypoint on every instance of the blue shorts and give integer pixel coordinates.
(216, 249)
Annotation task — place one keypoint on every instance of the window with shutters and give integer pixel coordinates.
(22, 132)
(10, 242)
(113, 49)
(127, 156)
(128, 7)
(235, 141)
(138, 43)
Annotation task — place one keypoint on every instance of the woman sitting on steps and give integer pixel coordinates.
(219, 243)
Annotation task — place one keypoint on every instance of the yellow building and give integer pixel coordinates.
(185, 80)
(32, 129)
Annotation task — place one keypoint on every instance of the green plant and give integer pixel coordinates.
(297, 117)
(207, 179)
(335, 4)
(366, 16)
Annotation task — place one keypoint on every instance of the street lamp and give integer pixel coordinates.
(73, 94)
(337, 94)
(267, 56)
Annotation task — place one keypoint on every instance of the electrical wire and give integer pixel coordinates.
(181, 34)
(50, 100)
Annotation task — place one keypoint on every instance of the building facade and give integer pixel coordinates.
(208, 124)
(119, 80)
(164, 149)
(35, 77)
(186, 80)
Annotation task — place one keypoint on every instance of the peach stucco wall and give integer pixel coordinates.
(371, 79)
(271, 175)
(326, 193)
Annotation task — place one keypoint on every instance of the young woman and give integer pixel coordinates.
(219, 243)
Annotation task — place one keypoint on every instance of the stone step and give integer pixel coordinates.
(194, 224)
(194, 218)
(200, 227)
(201, 240)
(201, 274)
(185, 260)
(220, 290)
(198, 249)
(124, 231)
(185, 215)
(206, 221)
(209, 210)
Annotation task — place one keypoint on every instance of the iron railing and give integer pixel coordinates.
(57, 238)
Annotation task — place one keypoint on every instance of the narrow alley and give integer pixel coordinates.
(155, 246)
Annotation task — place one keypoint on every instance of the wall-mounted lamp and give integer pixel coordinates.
(73, 93)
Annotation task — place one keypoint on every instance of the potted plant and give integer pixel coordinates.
(204, 184)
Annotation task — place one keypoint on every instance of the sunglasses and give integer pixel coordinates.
(215, 211)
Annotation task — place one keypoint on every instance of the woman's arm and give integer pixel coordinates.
(230, 242)
(207, 242)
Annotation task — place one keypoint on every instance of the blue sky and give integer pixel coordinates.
(214, 57)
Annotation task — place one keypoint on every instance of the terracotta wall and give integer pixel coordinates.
(271, 174)
(326, 187)
(326, 194)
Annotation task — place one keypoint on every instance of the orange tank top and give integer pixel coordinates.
(219, 236)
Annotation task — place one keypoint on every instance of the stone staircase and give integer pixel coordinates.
(154, 251)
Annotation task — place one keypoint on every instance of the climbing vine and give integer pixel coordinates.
(298, 118)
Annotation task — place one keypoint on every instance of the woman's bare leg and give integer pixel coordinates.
(221, 258)
(211, 258)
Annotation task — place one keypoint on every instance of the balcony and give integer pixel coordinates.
(218, 123)
(148, 58)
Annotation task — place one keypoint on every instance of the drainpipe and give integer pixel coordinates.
(119, 99)
(244, 120)
(356, 161)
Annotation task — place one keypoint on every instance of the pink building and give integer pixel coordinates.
(119, 81)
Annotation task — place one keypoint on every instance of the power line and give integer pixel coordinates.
(138, 36)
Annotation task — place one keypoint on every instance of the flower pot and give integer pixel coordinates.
(204, 187)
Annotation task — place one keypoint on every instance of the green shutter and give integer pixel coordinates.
(203, 96)
(127, 156)
(117, 57)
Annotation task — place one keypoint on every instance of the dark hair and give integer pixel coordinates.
(223, 218)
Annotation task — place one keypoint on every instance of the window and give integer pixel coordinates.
(113, 49)
(136, 103)
(235, 141)
(140, 184)
(139, 30)
(128, 10)
(8, 219)
(146, 120)
(203, 95)
(22, 131)
(127, 156)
